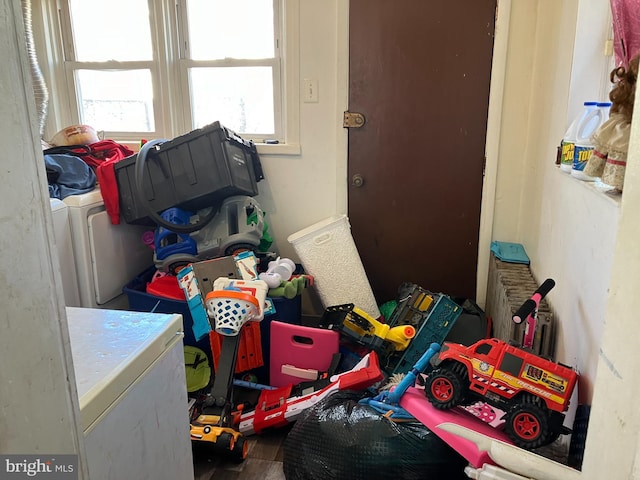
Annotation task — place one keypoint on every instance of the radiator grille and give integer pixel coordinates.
(509, 285)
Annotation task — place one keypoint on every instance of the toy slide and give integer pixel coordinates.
(481, 444)
(415, 402)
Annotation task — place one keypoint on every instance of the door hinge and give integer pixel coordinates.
(353, 120)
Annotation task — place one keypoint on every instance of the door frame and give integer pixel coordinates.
(492, 148)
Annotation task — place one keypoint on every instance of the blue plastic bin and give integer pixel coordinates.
(288, 311)
(141, 301)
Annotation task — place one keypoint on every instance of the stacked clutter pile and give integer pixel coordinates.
(196, 192)
(211, 258)
(340, 437)
(212, 264)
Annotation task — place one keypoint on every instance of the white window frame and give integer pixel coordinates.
(184, 64)
(169, 70)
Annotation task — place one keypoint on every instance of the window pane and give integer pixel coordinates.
(223, 29)
(116, 101)
(115, 30)
(241, 98)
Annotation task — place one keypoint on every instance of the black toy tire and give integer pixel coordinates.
(234, 249)
(240, 450)
(225, 441)
(527, 424)
(175, 267)
(445, 388)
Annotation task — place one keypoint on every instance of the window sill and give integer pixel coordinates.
(596, 186)
(278, 149)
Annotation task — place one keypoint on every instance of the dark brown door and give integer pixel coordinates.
(419, 71)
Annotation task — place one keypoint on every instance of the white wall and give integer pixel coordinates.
(38, 399)
(301, 190)
(567, 227)
(612, 449)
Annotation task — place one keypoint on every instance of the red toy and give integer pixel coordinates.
(534, 391)
(277, 408)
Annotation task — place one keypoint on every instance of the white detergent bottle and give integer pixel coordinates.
(606, 109)
(569, 139)
(584, 146)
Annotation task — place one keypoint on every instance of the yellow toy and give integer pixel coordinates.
(365, 330)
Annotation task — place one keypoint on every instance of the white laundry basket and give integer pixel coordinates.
(328, 253)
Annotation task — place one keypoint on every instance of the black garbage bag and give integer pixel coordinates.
(341, 439)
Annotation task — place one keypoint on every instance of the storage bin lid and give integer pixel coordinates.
(111, 349)
(316, 228)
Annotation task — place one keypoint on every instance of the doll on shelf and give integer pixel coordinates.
(609, 157)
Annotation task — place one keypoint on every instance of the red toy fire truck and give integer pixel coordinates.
(533, 391)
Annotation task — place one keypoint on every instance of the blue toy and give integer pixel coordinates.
(238, 225)
(387, 402)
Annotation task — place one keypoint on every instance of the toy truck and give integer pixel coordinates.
(533, 391)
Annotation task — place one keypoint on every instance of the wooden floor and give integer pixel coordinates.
(264, 461)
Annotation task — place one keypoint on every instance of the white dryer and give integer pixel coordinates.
(64, 247)
(107, 256)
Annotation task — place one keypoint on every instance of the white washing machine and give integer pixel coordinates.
(107, 256)
(66, 258)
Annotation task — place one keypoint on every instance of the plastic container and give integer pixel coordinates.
(142, 301)
(442, 316)
(583, 144)
(606, 108)
(287, 311)
(569, 139)
(328, 253)
(192, 171)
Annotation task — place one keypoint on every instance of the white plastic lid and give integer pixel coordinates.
(316, 228)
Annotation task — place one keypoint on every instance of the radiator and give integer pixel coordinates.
(509, 285)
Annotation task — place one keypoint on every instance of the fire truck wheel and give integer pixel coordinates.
(444, 388)
(528, 426)
(240, 450)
